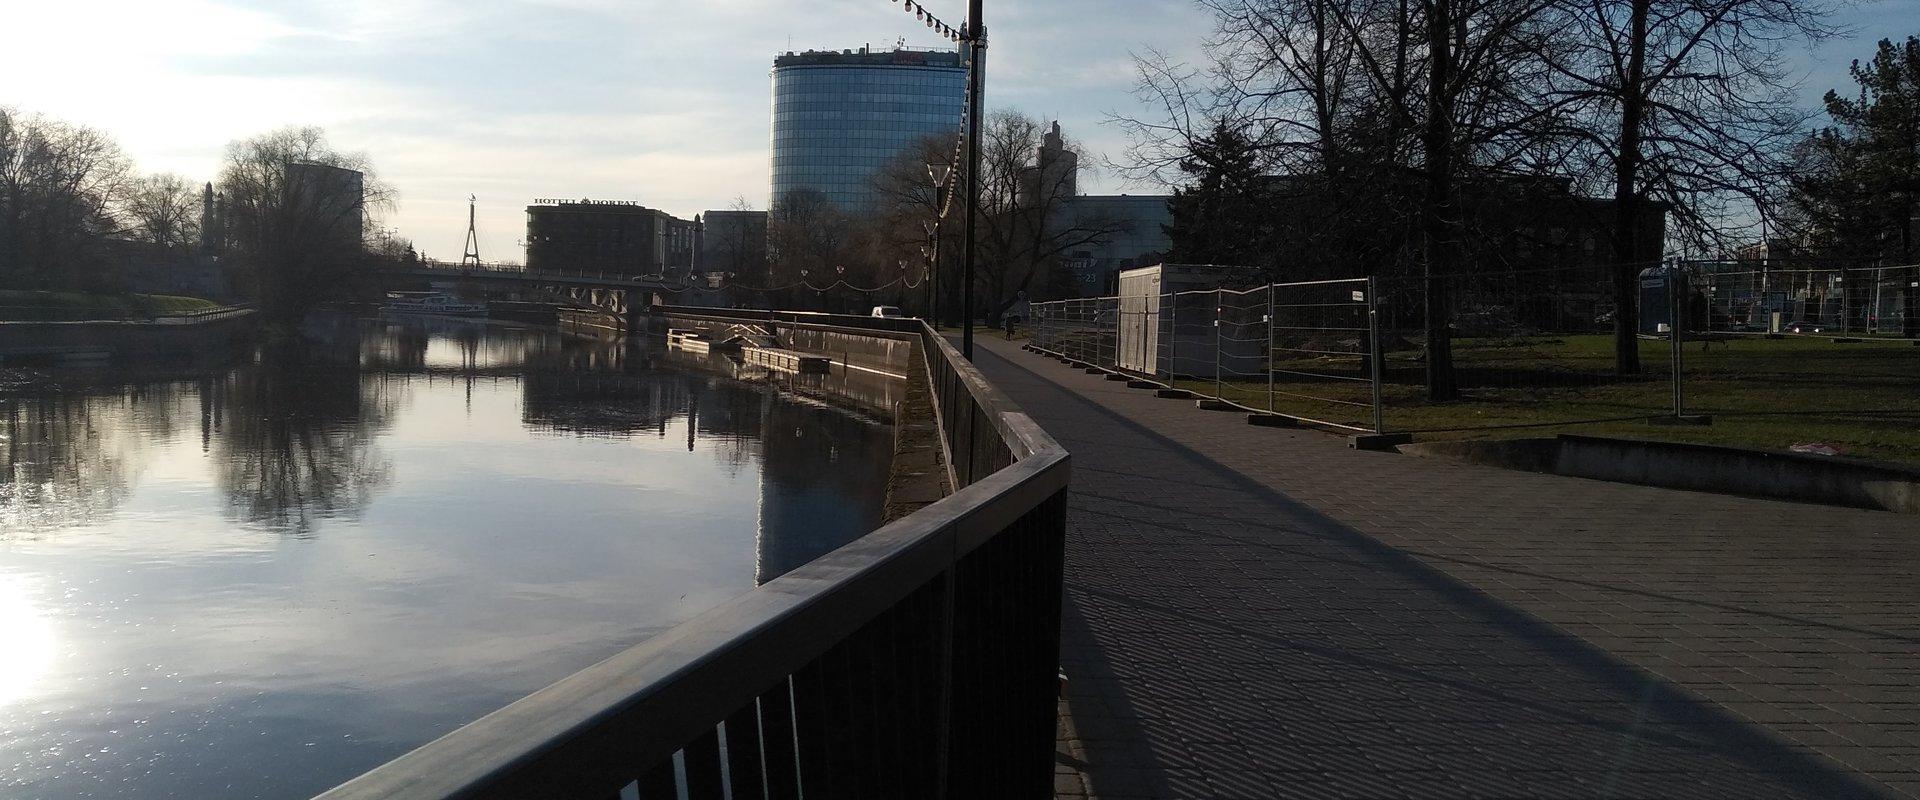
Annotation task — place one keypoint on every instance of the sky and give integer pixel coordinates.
(657, 101)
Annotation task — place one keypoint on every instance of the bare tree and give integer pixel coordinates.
(1356, 99)
(162, 210)
(809, 241)
(58, 185)
(1686, 103)
(1028, 221)
(903, 219)
(738, 244)
(297, 214)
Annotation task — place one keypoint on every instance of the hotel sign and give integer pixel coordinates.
(549, 201)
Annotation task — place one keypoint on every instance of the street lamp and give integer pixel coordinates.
(942, 175)
(975, 36)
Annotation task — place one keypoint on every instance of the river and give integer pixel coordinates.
(257, 576)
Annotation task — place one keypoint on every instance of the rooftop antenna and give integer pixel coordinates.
(472, 256)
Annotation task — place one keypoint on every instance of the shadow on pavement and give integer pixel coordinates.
(1226, 640)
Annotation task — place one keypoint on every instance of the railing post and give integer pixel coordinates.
(1147, 338)
(1173, 335)
(1269, 348)
(1218, 386)
(1674, 316)
(1377, 358)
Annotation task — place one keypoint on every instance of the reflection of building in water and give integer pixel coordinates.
(812, 462)
(821, 441)
(605, 403)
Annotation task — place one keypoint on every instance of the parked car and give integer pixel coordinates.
(891, 312)
(1805, 327)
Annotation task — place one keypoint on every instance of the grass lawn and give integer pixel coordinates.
(1861, 398)
(38, 306)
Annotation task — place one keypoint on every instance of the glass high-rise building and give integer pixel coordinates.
(839, 116)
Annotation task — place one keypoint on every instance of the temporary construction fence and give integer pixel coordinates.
(1527, 348)
(1744, 297)
(1296, 348)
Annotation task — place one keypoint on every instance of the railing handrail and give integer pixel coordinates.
(658, 695)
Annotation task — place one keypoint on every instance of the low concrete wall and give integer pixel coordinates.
(1798, 477)
(120, 338)
(871, 366)
(875, 351)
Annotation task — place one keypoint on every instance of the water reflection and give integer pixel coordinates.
(28, 638)
(257, 579)
(297, 440)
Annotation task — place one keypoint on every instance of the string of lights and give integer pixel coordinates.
(952, 34)
(920, 12)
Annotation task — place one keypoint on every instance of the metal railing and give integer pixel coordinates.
(917, 661)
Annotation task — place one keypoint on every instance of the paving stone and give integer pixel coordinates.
(1358, 624)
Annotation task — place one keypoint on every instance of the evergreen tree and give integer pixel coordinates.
(1218, 215)
(1856, 196)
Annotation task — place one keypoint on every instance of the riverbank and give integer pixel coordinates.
(30, 306)
(27, 341)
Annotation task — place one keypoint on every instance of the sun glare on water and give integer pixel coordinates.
(26, 639)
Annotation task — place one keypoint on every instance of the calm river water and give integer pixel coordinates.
(261, 577)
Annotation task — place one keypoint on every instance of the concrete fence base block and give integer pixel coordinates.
(1378, 441)
(1140, 384)
(1115, 376)
(1847, 340)
(1174, 394)
(1684, 419)
(1794, 477)
(1092, 370)
(1207, 404)
(1272, 421)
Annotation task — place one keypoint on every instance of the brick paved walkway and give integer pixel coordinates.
(1259, 612)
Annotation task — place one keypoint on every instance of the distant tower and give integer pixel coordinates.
(699, 244)
(1054, 175)
(209, 224)
(472, 256)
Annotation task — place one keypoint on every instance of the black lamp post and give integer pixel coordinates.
(975, 36)
(942, 175)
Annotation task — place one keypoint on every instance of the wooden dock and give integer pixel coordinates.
(781, 359)
(691, 341)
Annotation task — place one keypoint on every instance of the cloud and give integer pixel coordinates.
(661, 102)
